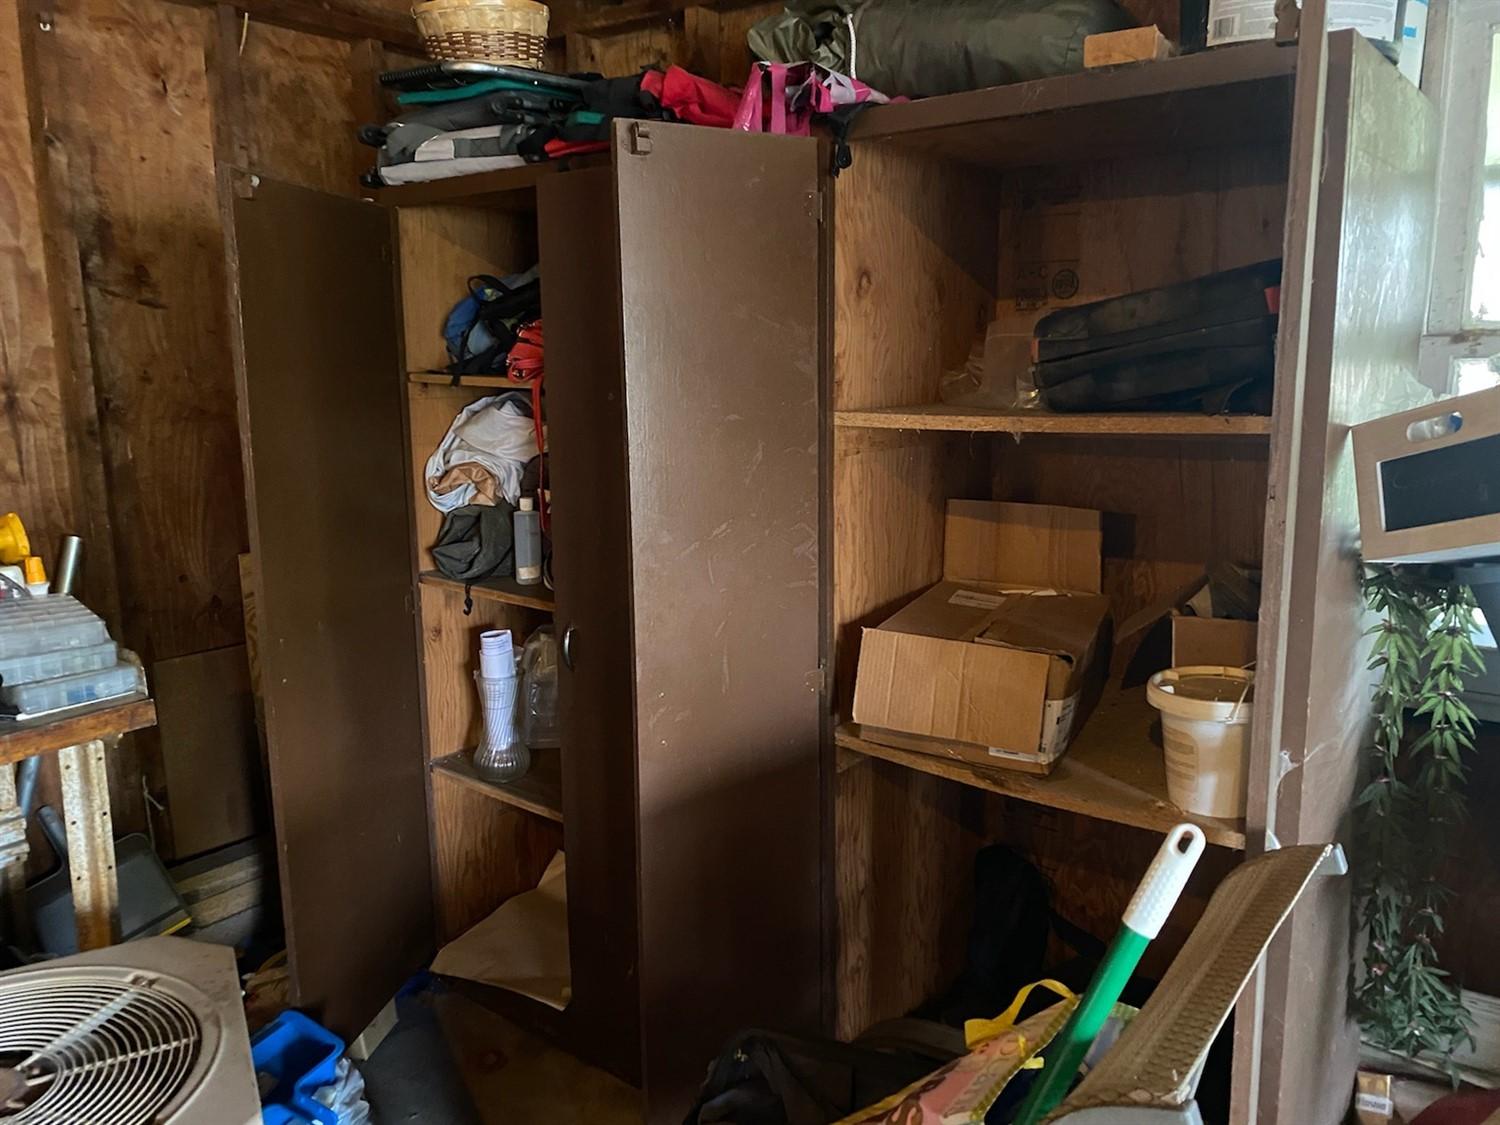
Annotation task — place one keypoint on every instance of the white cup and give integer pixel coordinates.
(497, 660)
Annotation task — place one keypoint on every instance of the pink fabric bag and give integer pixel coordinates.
(782, 97)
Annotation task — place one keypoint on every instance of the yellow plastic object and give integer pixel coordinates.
(35, 572)
(14, 546)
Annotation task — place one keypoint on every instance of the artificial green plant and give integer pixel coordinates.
(1408, 812)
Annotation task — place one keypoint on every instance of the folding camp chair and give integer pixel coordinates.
(1150, 1076)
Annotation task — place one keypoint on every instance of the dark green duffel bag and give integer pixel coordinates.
(924, 47)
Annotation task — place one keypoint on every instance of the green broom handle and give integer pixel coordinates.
(1153, 901)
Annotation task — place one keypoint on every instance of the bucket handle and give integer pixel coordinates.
(1234, 716)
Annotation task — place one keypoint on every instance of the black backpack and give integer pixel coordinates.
(766, 1078)
(502, 311)
(475, 542)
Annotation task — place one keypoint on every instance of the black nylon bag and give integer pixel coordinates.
(475, 542)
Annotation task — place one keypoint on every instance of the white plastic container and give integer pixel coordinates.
(1205, 724)
(18, 575)
(60, 662)
(46, 696)
(1239, 21)
(528, 543)
(34, 625)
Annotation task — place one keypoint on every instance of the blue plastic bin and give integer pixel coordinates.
(302, 1056)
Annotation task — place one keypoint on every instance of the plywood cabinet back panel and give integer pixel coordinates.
(483, 852)
(1089, 231)
(450, 657)
(441, 247)
(913, 275)
(1170, 506)
(431, 410)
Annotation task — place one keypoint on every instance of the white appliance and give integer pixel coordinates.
(147, 1033)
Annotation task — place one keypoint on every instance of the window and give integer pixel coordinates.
(1461, 350)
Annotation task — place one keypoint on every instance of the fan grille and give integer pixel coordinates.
(98, 1049)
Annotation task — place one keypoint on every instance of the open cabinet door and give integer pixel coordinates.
(591, 564)
(1354, 298)
(314, 326)
(719, 239)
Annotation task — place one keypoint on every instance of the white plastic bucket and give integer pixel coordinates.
(1205, 726)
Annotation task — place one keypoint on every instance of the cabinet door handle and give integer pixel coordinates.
(567, 647)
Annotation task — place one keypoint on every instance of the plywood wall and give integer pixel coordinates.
(117, 371)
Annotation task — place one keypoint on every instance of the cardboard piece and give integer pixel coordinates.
(522, 946)
(1212, 640)
(989, 665)
(210, 749)
(1134, 44)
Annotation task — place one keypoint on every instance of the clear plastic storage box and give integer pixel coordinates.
(60, 662)
(29, 626)
(31, 700)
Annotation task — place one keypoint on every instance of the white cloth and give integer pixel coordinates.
(493, 433)
(419, 171)
(442, 147)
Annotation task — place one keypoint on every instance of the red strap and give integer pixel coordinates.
(524, 365)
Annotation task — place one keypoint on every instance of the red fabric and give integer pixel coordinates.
(694, 100)
(1472, 1107)
(558, 149)
(524, 364)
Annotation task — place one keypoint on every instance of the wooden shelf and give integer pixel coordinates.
(1114, 771)
(506, 187)
(443, 379)
(43, 735)
(941, 417)
(506, 590)
(1227, 97)
(539, 792)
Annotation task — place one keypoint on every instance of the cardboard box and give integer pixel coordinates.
(989, 665)
(1212, 640)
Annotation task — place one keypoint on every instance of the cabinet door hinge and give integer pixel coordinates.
(817, 205)
(640, 138)
(817, 680)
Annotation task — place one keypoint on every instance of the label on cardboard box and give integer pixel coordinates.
(1374, 1103)
(976, 599)
(982, 599)
(1057, 728)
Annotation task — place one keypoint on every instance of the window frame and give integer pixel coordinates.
(1456, 75)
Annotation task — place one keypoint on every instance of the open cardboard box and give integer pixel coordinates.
(989, 665)
(1212, 640)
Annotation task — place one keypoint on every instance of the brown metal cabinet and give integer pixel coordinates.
(682, 398)
(998, 202)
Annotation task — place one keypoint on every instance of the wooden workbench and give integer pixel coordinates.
(79, 740)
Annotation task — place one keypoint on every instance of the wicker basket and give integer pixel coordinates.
(511, 32)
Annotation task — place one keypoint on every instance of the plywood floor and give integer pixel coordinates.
(451, 1061)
